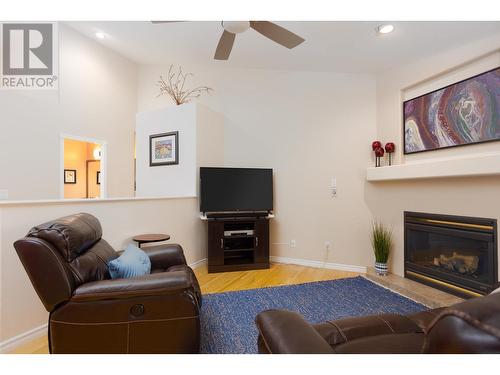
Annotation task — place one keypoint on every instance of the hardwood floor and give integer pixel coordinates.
(278, 274)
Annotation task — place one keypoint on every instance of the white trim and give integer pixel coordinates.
(11, 344)
(84, 200)
(61, 167)
(486, 164)
(198, 263)
(319, 264)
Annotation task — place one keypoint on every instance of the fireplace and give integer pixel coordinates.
(452, 253)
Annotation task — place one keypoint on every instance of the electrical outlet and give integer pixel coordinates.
(293, 243)
(328, 244)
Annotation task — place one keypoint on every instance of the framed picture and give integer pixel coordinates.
(70, 176)
(164, 149)
(466, 112)
(98, 178)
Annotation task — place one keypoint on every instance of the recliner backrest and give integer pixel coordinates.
(472, 326)
(64, 253)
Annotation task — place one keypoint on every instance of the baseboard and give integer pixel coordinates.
(319, 264)
(11, 344)
(198, 263)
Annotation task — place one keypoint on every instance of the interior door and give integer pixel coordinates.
(93, 178)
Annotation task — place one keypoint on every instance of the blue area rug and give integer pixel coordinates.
(227, 319)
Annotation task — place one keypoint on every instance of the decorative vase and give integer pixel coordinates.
(379, 152)
(381, 268)
(389, 148)
(376, 145)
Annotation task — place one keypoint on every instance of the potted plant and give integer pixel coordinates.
(381, 239)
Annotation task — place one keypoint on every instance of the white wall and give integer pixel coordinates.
(167, 180)
(308, 127)
(472, 196)
(201, 143)
(96, 98)
(20, 307)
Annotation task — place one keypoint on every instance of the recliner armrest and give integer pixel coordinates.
(164, 256)
(286, 332)
(148, 285)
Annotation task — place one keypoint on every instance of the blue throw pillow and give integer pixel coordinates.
(133, 262)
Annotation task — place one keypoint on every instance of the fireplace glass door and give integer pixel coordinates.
(452, 254)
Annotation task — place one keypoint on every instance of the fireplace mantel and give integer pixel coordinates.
(469, 166)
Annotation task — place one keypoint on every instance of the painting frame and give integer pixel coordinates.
(70, 176)
(404, 118)
(171, 157)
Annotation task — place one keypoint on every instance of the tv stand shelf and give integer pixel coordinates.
(240, 251)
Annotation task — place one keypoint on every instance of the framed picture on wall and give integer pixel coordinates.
(164, 149)
(463, 113)
(98, 178)
(70, 176)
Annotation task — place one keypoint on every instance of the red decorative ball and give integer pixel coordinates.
(376, 144)
(390, 147)
(379, 152)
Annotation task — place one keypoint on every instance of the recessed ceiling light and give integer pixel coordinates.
(100, 35)
(385, 29)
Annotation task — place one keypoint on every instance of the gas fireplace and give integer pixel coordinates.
(453, 253)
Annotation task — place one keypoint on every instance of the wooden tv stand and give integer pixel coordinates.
(238, 252)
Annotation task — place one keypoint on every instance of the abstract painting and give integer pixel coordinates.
(463, 113)
(164, 149)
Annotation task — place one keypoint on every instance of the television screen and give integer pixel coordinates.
(236, 189)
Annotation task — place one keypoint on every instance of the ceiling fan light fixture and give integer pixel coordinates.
(385, 29)
(236, 27)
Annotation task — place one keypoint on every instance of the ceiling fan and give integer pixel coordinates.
(270, 30)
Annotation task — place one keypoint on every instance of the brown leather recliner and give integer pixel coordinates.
(66, 260)
(472, 326)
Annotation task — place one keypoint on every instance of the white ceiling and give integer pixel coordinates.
(351, 47)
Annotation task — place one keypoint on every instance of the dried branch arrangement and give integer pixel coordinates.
(174, 87)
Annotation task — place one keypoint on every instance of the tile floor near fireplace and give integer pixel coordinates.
(426, 295)
(453, 253)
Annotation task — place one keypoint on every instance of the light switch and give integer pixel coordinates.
(334, 187)
(4, 194)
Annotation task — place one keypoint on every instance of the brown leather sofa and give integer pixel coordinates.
(472, 326)
(66, 260)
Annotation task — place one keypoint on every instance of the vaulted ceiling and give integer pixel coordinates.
(351, 47)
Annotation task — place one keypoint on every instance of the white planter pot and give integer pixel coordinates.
(381, 268)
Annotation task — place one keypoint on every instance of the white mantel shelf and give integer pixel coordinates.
(471, 166)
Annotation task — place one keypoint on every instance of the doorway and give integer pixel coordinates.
(93, 178)
(82, 164)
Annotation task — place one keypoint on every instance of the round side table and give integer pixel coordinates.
(148, 238)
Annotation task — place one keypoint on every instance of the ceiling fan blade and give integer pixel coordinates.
(225, 46)
(277, 33)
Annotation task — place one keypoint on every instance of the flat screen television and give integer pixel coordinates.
(236, 189)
